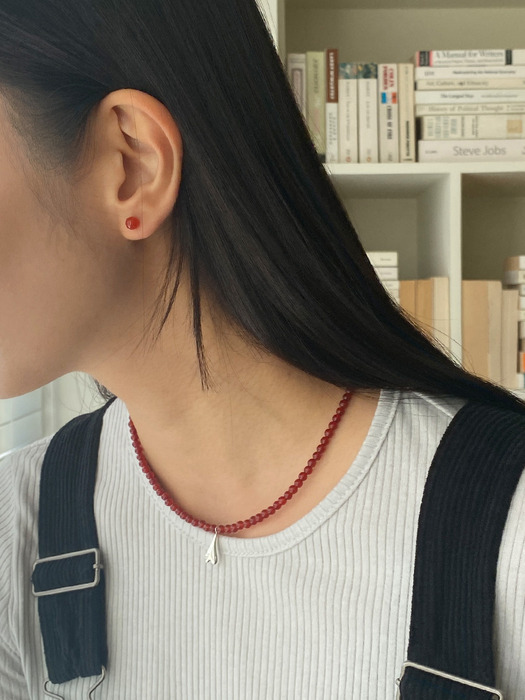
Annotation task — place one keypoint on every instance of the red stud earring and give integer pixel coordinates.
(132, 222)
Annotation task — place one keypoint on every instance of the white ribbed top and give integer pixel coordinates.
(320, 610)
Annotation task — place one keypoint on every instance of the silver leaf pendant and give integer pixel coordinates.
(212, 555)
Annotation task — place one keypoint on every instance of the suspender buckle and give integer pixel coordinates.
(48, 571)
(496, 694)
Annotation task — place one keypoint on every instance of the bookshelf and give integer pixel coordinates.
(459, 220)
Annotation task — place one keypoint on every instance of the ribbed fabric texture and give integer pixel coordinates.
(319, 610)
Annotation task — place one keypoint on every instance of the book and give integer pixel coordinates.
(458, 71)
(471, 150)
(296, 70)
(466, 57)
(470, 108)
(422, 97)
(387, 258)
(471, 83)
(348, 123)
(472, 126)
(315, 100)
(514, 276)
(388, 114)
(481, 328)
(407, 121)
(509, 337)
(427, 304)
(407, 296)
(514, 262)
(386, 273)
(367, 113)
(332, 106)
(392, 287)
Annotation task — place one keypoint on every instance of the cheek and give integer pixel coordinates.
(42, 295)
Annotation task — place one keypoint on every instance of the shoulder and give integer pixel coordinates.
(19, 487)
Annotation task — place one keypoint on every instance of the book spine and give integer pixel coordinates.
(348, 123)
(474, 108)
(388, 114)
(425, 72)
(480, 96)
(297, 77)
(315, 99)
(367, 109)
(471, 57)
(386, 273)
(472, 126)
(514, 262)
(332, 106)
(407, 121)
(465, 150)
(474, 83)
(512, 277)
(380, 258)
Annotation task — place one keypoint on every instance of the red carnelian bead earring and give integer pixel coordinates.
(132, 222)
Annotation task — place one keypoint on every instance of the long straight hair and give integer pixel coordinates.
(257, 220)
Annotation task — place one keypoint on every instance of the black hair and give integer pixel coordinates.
(257, 220)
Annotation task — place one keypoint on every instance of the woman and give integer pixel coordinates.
(155, 168)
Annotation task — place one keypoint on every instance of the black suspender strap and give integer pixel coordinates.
(465, 504)
(68, 577)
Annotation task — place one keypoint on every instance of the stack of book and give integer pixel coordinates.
(490, 317)
(514, 286)
(385, 264)
(446, 105)
(427, 303)
(470, 105)
(355, 112)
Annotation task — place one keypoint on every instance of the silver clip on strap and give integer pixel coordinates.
(90, 692)
(496, 694)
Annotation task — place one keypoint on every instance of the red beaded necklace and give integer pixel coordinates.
(212, 554)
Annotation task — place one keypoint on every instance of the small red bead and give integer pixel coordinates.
(339, 411)
(247, 524)
(298, 483)
(271, 510)
(293, 489)
(240, 525)
(311, 462)
(308, 470)
(324, 440)
(328, 432)
(266, 513)
(132, 223)
(303, 476)
(332, 425)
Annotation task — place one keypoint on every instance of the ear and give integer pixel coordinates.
(142, 160)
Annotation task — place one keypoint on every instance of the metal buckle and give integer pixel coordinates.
(497, 694)
(66, 589)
